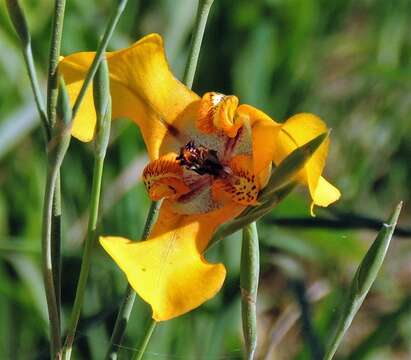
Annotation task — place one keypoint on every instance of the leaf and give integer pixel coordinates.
(363, 279)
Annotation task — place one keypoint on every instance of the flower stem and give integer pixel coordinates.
(102, 106)
(54, 55)
(28, 58)
(203, 10)
(115, 17)
(56, 150)
(19, 21)
(130, 295)
(250, 268)
(140, 352)
(56, 241)
(48, 271)
(52, 95)
(85, 265)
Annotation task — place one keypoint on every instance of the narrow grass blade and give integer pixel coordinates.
(363, 279)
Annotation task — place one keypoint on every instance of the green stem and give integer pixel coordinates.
(203, 10)
(19, 21)
(250, 268)
(99, 53)
(28, 58)
(54, 55)
(129, 297)
(85, 265)
(140, 352)
(48, 271)
(52, 95)
(56, 241)
(56, 150)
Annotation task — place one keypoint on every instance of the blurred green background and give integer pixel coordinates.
(347, 61)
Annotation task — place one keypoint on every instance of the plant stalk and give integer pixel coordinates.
(38, 99)
(48, 271)
(250, 269)
(115, 17)
(140, 352)
(52, 95)
(54, 55)
(86, 260)
(203, 10)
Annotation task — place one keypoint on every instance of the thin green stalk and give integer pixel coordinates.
(203, 10)
(102, 105)
(28, 58)
(86, 259)
(19, 21)
(250, 269)
(56, 151)
(129, 297)
(140, 352)
(115, 17)
(54, 55)
(54, 316)
(56, 241)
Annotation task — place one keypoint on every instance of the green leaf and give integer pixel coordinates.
(363, 279)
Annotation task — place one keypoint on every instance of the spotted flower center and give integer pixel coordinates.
(215, 165)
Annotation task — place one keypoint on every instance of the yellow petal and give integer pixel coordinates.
(325, 194)
(297, 131)
(264, 132)
(142, 89)
(242, 186)
(169, 271)
(217, 113)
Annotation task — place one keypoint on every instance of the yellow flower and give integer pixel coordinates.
(210, 157)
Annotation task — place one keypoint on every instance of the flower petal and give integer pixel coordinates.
(297, 131)
(142, 88)
(264, 132)
(217, 113)
(169, 270)
(242, 186)
(325, 194)
(163, 178)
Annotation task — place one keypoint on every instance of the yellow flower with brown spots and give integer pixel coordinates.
(210, 157)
